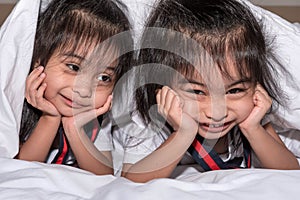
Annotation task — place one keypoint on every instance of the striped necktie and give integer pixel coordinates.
(209, 160)
(65, 155)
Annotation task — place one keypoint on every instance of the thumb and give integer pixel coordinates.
(106, 107)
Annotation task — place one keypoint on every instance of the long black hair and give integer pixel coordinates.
(68, 24)
(181, 35)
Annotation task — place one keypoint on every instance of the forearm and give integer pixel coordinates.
(99, 163)
(162, 162)
(270, 150)
(87, 155)
(37, 146)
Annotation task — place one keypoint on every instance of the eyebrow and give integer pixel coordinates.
(83, 58)
(110, 68)
(74, 55)
(241, 81)
(191, 81)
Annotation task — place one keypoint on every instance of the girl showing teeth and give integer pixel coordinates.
(212, 83)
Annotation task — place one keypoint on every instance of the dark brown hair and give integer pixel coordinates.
(218, 29)
(68, 24)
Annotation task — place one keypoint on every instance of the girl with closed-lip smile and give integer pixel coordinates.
(76, 63)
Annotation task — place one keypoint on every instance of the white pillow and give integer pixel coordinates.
(16, 42)
(287, 48)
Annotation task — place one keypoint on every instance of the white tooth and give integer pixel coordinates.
(215, 125)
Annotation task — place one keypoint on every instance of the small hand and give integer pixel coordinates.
(170, 106)
(76, 122)
(262, 103)
(34, 92)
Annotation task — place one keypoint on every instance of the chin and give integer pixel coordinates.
(68, 112)
(74, 112)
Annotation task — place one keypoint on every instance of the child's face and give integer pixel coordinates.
(217, 104)
(76, 84)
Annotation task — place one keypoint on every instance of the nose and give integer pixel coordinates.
(83, 92)
(83, 88)
(217, 110)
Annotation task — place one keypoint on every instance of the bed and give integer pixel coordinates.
(33, 180)
(29, 180)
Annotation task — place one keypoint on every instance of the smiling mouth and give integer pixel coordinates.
(214, 128)
(73, 104)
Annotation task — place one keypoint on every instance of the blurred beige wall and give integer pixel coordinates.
(5, 9)
(291, 13)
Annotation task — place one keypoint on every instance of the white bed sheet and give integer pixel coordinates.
(29, 180)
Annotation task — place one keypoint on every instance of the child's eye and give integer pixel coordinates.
(73, 67)
(235, 91)
(197, 92)
(104, 78)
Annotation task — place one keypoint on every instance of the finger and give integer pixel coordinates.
(262, 90)
(169, 100)
(34, 75)
(263, 96)
(164, 92)
(39, 97)
(158, 96)
(262, 103)
(84, 117)
(175, 109)
(178, 102)
(33, 83)
(106, 107)
(35, 72)
(30, 78)
(34, 91)
(160, 108)
(161, 102)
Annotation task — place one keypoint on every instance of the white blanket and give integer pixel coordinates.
(35, 181)
(16, 43)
